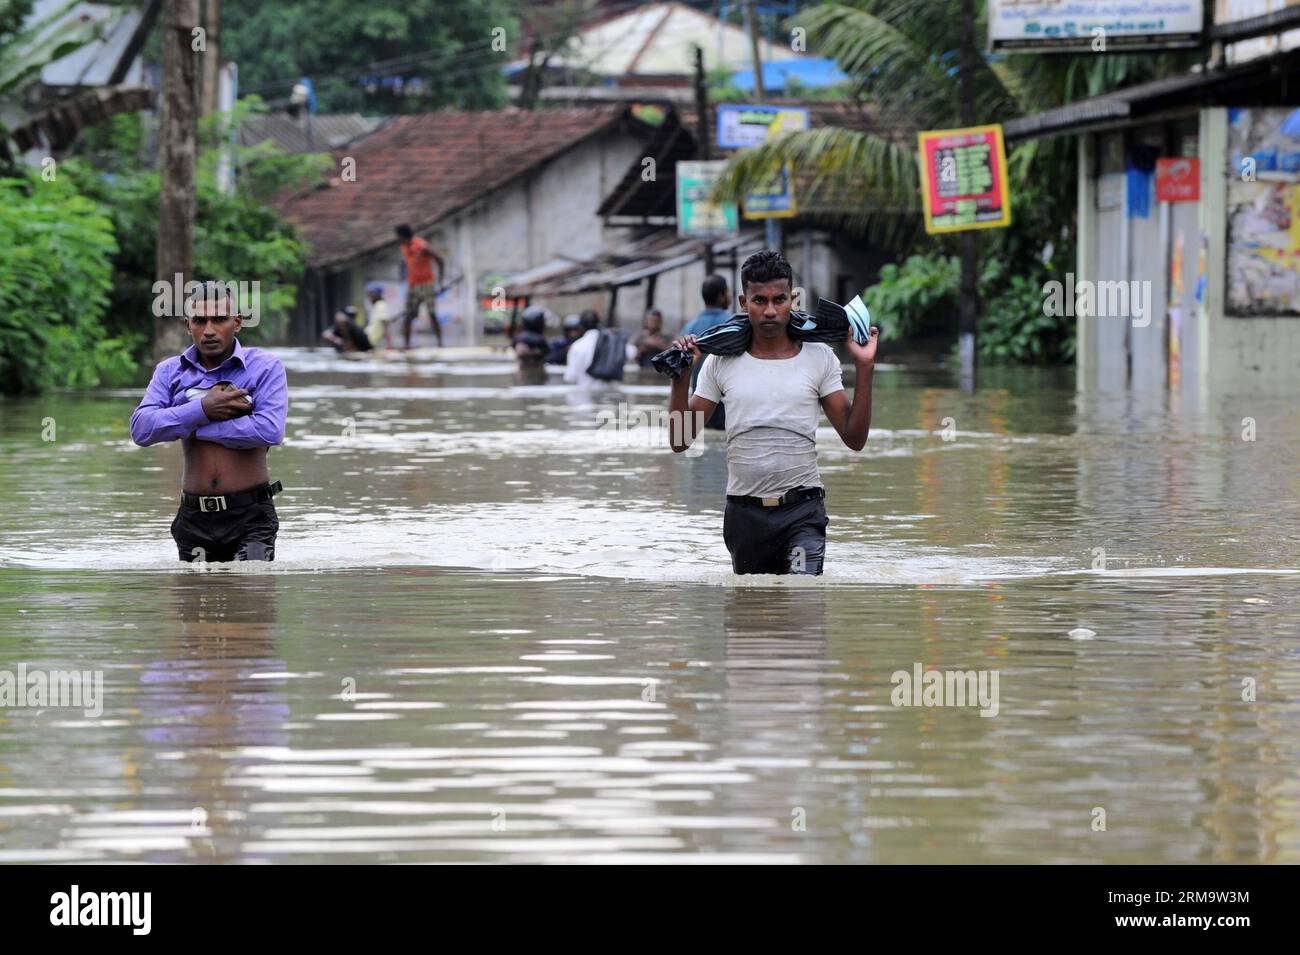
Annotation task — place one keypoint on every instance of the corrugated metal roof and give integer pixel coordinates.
(623, 263)
(293, 135)
(1276, 77)
(92, 64)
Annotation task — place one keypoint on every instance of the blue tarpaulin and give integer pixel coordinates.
(811, 72)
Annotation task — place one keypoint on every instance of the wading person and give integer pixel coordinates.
(345, 334)
(377, 329)
(717, 309)
(421, 285)
(651, 340)
(227, 405)
(775, 519)
(580, 361)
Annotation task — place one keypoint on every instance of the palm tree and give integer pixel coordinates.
(902, 57)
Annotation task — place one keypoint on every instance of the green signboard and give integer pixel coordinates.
(697, 216)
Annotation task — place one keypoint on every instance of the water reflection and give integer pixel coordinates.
(499, 631)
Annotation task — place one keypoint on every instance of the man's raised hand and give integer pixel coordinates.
(222, 404)
(687, 344)
(864, 354)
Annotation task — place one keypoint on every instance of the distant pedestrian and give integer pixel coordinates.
(345, 334)
(717, 309)
(559, 347)
(530, 344)
(582, 353)
(651, 340)
(377, 329)
(421, 282)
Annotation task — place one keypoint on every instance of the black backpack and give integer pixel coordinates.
(611, 353)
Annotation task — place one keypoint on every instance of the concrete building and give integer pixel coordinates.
(1189, 220)
(494, 193)
(549, 206)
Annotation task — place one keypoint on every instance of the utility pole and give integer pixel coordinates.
(771, 227)
(969, 298)
(751, 15)
(212, 57)
(702, 135)
(176, 160)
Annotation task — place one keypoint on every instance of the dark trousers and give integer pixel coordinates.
(790, 539)
(244, 533)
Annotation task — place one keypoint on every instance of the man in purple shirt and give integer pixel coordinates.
(227, 405)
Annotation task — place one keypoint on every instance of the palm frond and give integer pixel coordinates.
(830, 163)
(885, 61)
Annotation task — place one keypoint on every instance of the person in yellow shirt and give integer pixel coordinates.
(377, 329)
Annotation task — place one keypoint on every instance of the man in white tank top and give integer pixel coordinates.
(775, 394)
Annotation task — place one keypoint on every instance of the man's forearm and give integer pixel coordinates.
(680, 434)
(152, 425)
(679, 395)
(247, 431)
(860, 411)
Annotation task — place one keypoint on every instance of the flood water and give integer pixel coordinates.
(501, 626)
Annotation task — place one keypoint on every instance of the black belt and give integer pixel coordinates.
(224, 502)
(789, 497)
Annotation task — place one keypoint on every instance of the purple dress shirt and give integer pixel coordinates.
(166, 413)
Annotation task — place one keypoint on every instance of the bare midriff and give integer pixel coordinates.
(216, 469)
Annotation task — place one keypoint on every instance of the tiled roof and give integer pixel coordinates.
(420, 168)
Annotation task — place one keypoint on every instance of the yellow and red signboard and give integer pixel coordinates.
(964, 179)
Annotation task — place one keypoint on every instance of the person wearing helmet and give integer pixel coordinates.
(530, 345)
(559, 347)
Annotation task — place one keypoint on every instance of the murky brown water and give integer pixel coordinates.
(501, 628)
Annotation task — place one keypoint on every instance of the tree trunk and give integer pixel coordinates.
(212, 57)
(176, 161)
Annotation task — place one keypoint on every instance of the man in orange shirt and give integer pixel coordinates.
(421, 284)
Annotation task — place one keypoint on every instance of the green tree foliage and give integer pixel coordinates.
(238, 237)
(56, 275)
(444, 46)
(916, 295)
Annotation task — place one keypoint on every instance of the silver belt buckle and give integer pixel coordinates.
(771, 502)
(218, 503)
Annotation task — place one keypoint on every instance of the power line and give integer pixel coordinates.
(427, 59)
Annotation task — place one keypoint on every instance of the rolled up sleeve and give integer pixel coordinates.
(153, 421)
(264, 426)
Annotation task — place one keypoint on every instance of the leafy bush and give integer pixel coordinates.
(56, 276)
(1013, 326)
(917, 297)
(922, 295)
(237, 237)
